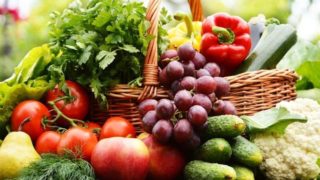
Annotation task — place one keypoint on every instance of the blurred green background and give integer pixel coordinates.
(32, 31)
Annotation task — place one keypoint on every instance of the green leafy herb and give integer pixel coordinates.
(56, 167)
(273, 121)
(103, 42)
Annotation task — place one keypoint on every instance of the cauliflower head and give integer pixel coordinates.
(293, 155)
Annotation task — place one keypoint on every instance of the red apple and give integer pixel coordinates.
(166, 161)
(120, 158)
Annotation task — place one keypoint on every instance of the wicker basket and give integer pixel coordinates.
(250, 92)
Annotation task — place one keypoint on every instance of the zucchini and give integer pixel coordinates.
(275, 41)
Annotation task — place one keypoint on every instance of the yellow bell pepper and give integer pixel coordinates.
(186, 31)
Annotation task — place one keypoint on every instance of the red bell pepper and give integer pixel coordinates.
(225, 41)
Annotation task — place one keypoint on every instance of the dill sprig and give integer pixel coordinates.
(54, 167)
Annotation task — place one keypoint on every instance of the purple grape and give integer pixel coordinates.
(229, 108)
(206, 85)
(218, 107)
(164, 109)
(188, 83)
(167, 56)
(213, 69)
(174, 70)
(189, 69)
(163, 78)
(175, 86)
(162, 131)
(147, 105)
(174, 106)
(212, 97)
(197, 115)
(199, 60)
(149, 120)
(202, 100)
(183, 100)
(223, 86)
(193, 143)
(182, 131)
(186, 52)
(202, 72)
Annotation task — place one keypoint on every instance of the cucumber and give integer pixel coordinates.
(243, 173)
(224, 126)
(275, 41)
(199, 170)
(216, 150)
(246, 153)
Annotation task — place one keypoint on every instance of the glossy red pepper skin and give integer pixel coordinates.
(225, 41)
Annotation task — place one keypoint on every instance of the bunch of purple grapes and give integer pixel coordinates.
(196, 88)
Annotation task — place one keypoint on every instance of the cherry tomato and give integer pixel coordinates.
(78, 140)
(29, 114)
(48, 142)
(77, 109)
(117, 126)
(92, 125)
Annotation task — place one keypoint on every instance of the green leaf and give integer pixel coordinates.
(274, 121)
(130, 48)
(71, 47)
(85, 55)
(106, 58)
(32, 65)
(102, 19)
(310, 71)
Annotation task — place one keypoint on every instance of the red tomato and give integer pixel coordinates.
(92, 125)
(78, 140)
(32, 110)
(77, 109)
(48, 142)
(117, 126)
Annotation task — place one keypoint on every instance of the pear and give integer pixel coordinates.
(16, 153)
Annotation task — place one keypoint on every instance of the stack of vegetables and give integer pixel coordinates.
(193, 134)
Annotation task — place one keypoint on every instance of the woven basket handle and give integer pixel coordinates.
(150, 71)
(196, 10)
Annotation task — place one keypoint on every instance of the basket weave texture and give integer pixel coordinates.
(250, 92)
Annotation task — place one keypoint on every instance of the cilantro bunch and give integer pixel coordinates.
(102, 43)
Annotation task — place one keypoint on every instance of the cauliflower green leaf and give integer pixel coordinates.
(273, 121)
